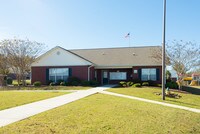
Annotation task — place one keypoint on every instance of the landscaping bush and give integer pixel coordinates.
(37, 84)
(63, 83)
(59, 81)
(52, 84)
(9, 80)
(172, 85)
(129, 84)
(122, 83)
(145, 84)
(74, 81)
(85, 83)
(159, 85)
(136, 85)
(136, 81)
(151, 83)
(94, 83)
(126, 84)
(49, 82)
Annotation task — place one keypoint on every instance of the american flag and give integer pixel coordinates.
(128, 35)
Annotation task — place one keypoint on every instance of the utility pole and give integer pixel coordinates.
(163, 51)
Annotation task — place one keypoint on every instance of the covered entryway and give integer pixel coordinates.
(104, 77)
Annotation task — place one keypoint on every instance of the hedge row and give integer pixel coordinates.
(172, 85)
(138, 83)
(74, 81)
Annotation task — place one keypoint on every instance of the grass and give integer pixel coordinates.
(196, 87)
(108, 114)
(10, 99)
(188, 100)
(46, 88)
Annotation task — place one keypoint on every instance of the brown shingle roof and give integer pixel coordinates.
(128, 56)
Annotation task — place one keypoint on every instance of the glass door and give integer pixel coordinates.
(105, 77)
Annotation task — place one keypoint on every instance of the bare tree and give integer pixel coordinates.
(4, 67)
(182, 56)
(157, 55)
(20, 55)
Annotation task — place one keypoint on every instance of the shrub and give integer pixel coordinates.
(136, 81)
(85, 83)
(151, 83)
(145, 84)
(126, 84)
(52, 84)
(59, 81)
(129, 84)
(136, 85)
(9, 80)
(122, 83)
(94, 83)
(63, 83)
(49, 81)
(37, 84)
(159, 85)
(74, 81)
(172, 85)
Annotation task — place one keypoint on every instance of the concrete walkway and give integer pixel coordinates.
(14, 114)
(152, 101)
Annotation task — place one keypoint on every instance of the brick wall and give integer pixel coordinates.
(136, 76)
(39, 73)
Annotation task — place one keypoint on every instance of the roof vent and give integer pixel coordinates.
(58, 53)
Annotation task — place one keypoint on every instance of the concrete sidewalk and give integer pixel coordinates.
(14, 114)
(152, 101)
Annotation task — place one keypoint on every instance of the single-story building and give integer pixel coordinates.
(106, 65)
(196, 76)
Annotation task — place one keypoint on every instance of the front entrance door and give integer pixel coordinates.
(105, 77)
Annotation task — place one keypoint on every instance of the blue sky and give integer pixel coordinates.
(76, 24)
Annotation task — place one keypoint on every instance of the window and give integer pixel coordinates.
(135, 71)
(118, 75)
(148, 74)
(95, 74)
(56, 74)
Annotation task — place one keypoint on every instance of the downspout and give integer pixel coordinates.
(89, 72)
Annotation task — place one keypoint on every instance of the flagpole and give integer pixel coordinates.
(129, 39)
(163, 51)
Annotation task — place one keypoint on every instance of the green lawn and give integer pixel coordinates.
(188, 100)
(106, 114)
(196, 87)
(46, 88)
(10, 99)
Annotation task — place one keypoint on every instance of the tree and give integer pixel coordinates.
(183, 56)
(4, 67)
(168, 75)
(20, 55)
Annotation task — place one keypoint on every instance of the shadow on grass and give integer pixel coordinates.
(181, 102)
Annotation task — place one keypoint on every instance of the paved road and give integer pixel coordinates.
(14, 114)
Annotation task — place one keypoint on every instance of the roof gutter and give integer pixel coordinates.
(89, 72)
